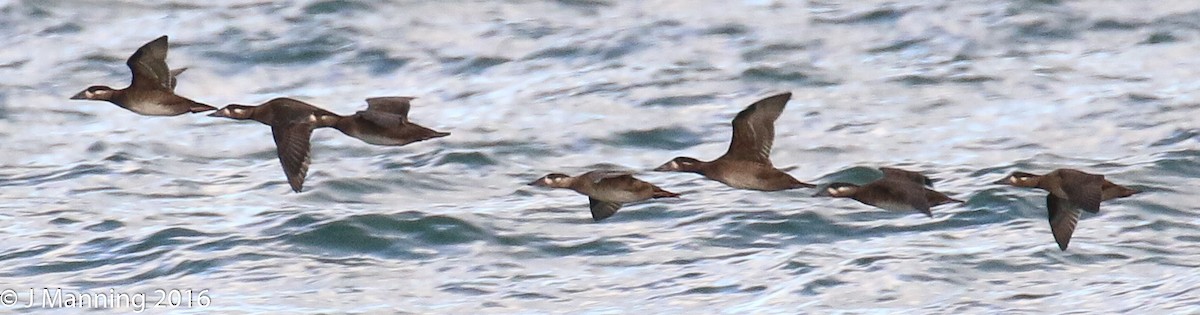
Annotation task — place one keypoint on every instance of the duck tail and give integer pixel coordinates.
(660, 193)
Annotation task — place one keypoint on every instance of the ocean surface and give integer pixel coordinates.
(99, 200)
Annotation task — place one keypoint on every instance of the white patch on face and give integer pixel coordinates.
(833, 191)
(312, 118)
(239, 111)
(844, 190)
(89, 94)
(1013, 179)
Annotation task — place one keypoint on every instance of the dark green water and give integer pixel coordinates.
(97, 198)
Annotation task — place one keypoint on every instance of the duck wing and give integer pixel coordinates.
(175, 73)
(892, 172)
(602, 209)
(149, 65)
(600, 175)
(397, 105)
(754, 130)
(292, 145)
(1063, 217)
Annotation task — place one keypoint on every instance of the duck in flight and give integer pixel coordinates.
(747, 163)
(607, 191)
(1069, 191)
(385, 122)
(897, 190)
(152, 90)
(292, 123)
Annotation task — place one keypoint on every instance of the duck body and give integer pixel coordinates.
(152, 89)
(385, 122)
(1069, 191)
(747, 162)
(890, 193)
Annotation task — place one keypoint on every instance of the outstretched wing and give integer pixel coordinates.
(602, 209)
(174, 74)
(1063, 218)
(149, 65)
(394, 105)
(1083, 189)
(383, 119)
(754, 130)
(892, 172)
(292, 146)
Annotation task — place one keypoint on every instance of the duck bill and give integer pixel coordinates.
(216, 114)
(1002, 181)
(537, 183)
(822, 193)
(82, 95)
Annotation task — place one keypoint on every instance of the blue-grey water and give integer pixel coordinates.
(98, 199)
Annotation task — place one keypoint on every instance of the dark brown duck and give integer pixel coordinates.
(898, 190)
(152, 90)
(1069, 190)
(606, 190)
(747, 163)
(292, 123)
(385, 122)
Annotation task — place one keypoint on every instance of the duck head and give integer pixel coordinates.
(95, 92)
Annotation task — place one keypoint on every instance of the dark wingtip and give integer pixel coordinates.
(1062, 246)
(597, 217)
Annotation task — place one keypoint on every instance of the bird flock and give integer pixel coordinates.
(745, 165)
